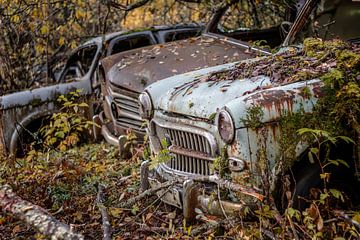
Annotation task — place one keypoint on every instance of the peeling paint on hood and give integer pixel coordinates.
(186, 94)
(205, 98)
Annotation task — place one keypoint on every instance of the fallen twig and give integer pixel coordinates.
(224, 184)
(268, 234)
(104, 215)
(158, 230)
(149, 192)
(347, 218)
(211, 225)
(35, 216)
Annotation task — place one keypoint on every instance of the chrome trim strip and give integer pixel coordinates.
(185, 152)
(191, 129)
(108, 136)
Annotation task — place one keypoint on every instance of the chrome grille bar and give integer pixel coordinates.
(128, 109)
(192, 151)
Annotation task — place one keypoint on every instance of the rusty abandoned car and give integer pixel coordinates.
(124, 76)
(194, 122)
(22, 113)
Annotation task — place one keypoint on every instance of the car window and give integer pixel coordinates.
(129, 43)
(245, 15)
(79, 63)
(333, 19)
(180, 35)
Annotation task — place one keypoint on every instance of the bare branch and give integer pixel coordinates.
(147, 193)
(104, 215)
(128, 7)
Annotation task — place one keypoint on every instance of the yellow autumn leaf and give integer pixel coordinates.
(15, 18)
(39, 49)
(79, 14)
(61, 41)
(73, 44)
(44, 29)
(116, 212)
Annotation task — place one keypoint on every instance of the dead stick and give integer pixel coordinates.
(224, 184)
(211, 225)
(147, 193)
(347, 218)
(35, 216)
(104, 215)
(159, 230)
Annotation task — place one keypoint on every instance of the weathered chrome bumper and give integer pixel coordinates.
(109, 137)
(187, 195)
(104, 131)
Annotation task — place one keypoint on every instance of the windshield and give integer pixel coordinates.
(333, 19)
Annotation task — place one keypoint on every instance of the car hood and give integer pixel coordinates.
(136, 69)
(191, 95)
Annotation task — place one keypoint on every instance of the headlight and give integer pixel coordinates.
(225, 126)
(146, 108)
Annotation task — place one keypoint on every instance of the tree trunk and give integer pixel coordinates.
(35, 216)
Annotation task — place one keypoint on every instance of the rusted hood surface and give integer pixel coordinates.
(193, 95)
(189, 94)
(138, 68)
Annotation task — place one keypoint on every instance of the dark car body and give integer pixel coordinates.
(22, 112)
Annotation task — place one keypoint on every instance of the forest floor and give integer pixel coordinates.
(66, 185)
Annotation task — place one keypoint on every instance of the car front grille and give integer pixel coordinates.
(128, 109)
(191, 152)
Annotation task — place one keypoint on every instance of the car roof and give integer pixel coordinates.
(109, 36)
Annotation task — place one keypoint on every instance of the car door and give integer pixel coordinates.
(79, 63)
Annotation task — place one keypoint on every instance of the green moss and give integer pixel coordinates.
(312, 45)
(306, 92)
(221, 163)
(253, 117)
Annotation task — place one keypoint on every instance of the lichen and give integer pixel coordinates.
(253, 117)
(221, 163)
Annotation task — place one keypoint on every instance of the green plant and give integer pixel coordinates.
(323, 142)
(66, 127)
(163, 156)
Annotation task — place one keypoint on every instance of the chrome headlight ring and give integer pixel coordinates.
(146, 106)
(226, 127)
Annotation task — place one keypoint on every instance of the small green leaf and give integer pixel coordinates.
(60, 134)
(291, 212)
(337, 194)
(346, 139)
(212, 116)
(134, 209)
(314, 150)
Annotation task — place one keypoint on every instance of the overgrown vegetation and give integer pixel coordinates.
(67, 127)
(64, 179)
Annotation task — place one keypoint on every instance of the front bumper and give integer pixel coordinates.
(190, 193)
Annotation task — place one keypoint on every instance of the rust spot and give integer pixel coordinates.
(318, 90)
